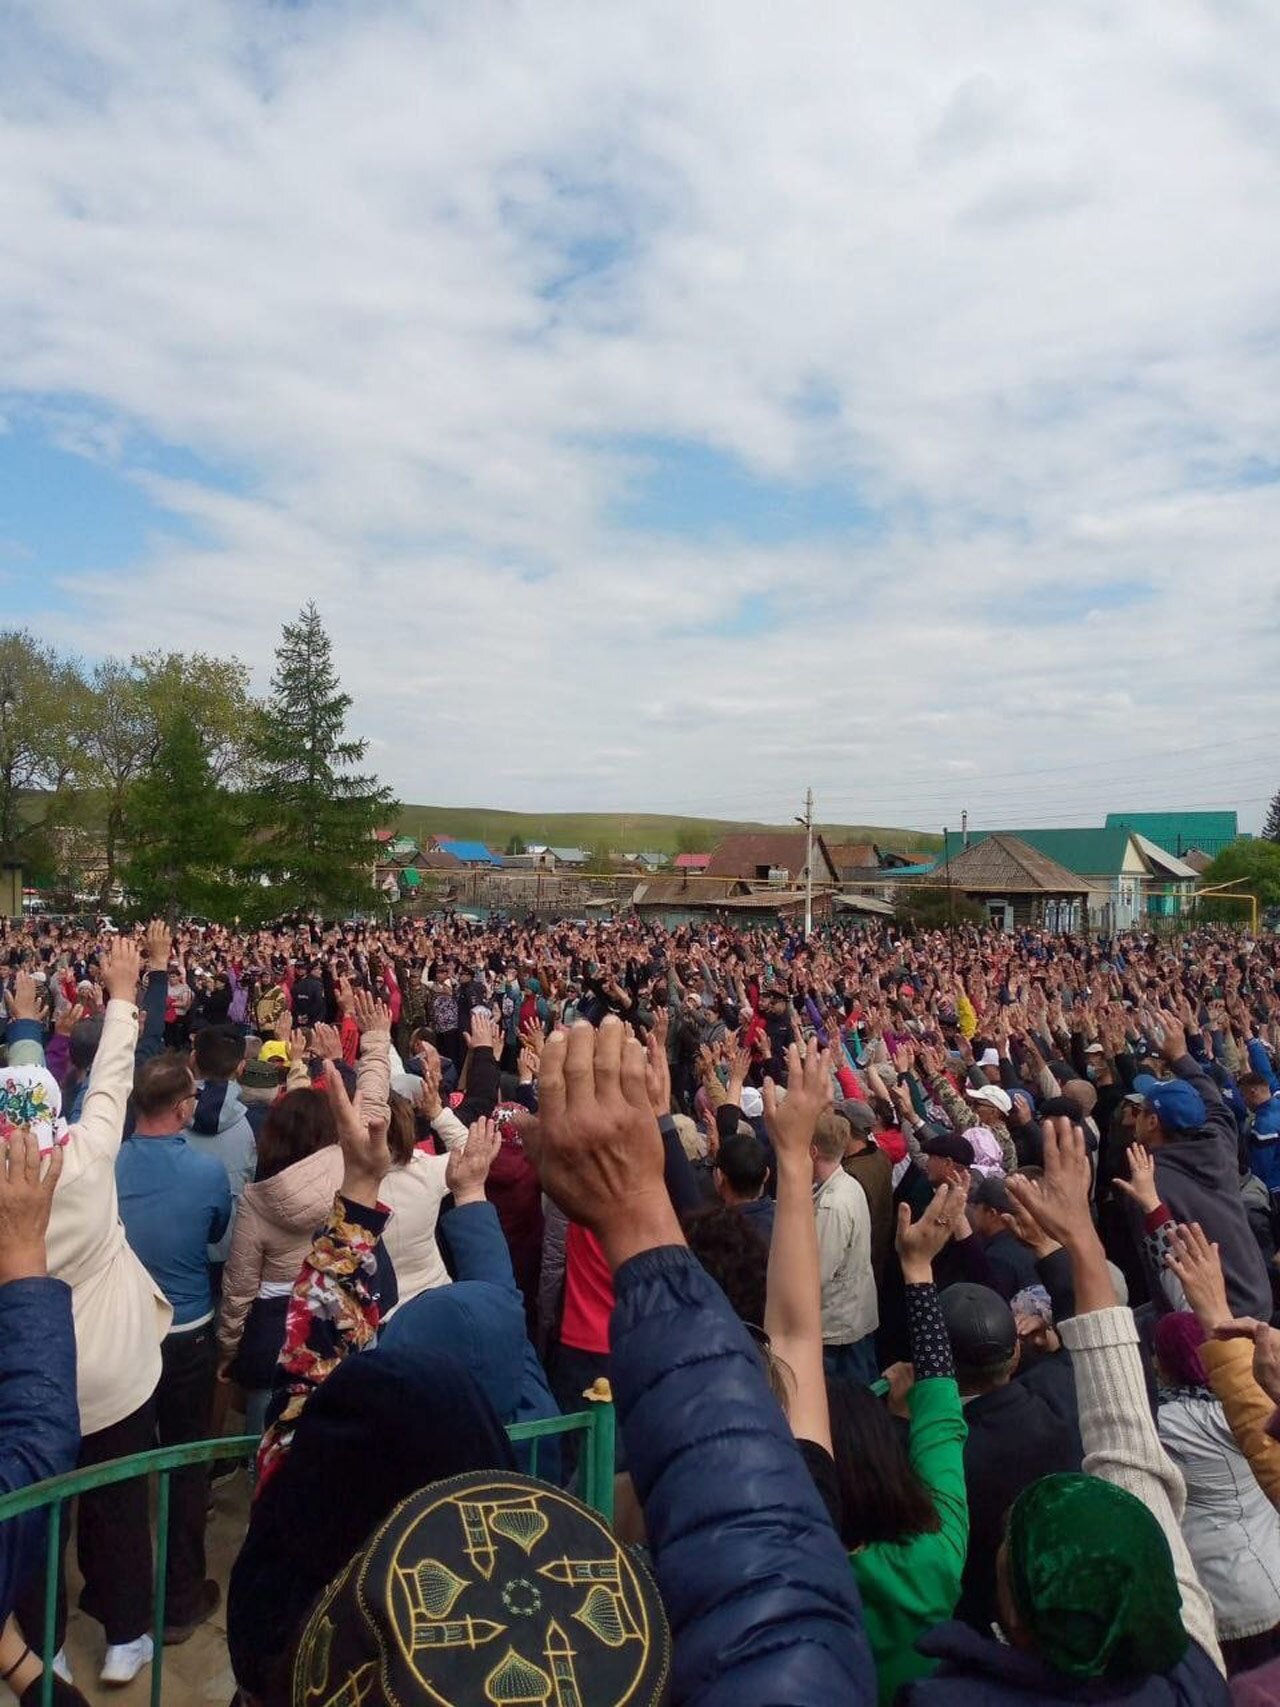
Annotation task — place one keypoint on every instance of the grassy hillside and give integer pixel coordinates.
(634, 832)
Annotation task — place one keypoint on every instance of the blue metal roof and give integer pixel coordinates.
(470, 853)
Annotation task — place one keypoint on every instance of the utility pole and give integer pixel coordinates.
(807, 821)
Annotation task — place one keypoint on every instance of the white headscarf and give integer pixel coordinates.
(30, 1099)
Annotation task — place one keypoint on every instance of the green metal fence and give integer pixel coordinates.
(596, 1487)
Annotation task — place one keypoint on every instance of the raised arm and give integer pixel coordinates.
(793, 1306)
(159, 945)
(373, 1068)
(39, 1417)
(762, 1603)
(1120, 1440)
(100, 1128)
(335, 1308)
(1198, 1268)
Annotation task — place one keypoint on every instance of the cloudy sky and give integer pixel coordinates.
(669, 405)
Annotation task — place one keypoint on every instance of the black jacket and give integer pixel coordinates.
(1016, 1435)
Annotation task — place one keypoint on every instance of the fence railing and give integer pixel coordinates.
(595, 1425)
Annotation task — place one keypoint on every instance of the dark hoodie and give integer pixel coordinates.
(977, 1671)
(1198, 1174)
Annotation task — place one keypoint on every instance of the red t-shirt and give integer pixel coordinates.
(588, 1293)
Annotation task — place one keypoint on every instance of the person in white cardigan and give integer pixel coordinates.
(120, 1320)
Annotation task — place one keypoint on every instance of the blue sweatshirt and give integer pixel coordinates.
(174, 1203)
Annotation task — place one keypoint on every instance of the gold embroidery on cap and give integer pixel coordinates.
(516, 1680)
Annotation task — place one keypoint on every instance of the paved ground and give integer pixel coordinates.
(197, 1672)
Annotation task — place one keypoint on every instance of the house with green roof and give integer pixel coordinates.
(1181, 832)
(1129, 877)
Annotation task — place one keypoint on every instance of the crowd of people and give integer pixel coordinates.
(932, 1276)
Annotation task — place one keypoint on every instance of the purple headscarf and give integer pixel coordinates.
(1178, 1339)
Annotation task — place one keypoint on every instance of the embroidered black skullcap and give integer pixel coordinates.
(487, 1588)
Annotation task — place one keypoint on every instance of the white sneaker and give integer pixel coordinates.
(62, 1666)
(125, 1660)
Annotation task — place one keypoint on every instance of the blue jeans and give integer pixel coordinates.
(856, 1362)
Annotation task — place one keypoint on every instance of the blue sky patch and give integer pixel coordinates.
(696, 491)
(64, 514)
(1048, 606)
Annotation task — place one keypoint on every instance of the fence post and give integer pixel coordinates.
(52, 1576)
(601, 1448)
(162, 1565)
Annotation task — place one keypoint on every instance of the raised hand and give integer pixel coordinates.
(370, 1015)
(68, 1019)
(596, 1142)
(326, 1043)
(657, 1071)
(919, 1242)
(1173, 1044)
(1196, 1265)
(1059, 1202)
(24, 1003)
(364, 1143)
(158, 945)
(122, 969)
(480, 1033)
(790, 1123)
(1141, 1184)
(1266, 1350)
(469, 1165)
(26, 1199)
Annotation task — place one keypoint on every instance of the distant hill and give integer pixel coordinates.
(625, 832)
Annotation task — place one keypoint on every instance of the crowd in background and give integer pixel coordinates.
(932, 1275)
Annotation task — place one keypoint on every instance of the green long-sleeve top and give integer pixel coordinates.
(909, 1586)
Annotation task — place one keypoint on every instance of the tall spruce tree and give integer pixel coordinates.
(312, 814)
(1271, 829)
(184, 830)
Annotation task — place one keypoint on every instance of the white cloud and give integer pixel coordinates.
(418, 272)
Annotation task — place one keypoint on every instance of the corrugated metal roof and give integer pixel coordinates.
(470, 853)
(1165, 863)
(1179, 832)
(1088, 853)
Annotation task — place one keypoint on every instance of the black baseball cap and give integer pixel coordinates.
(980, 1325)
(951, 1146)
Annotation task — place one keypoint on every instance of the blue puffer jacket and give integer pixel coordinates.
(39, 1415)
(763, 1606)
(977, 1671)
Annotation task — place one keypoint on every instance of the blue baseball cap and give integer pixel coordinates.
(1178, 1106)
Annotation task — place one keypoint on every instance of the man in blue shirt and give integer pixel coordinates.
(175, 1203)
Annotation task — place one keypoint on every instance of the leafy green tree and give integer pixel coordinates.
(932, 909)
(1251, 867)
(42, 714)
(516, 846)
(690, 838)
(312, 813)
(130, 708)
(1271, 829)
(184, 829)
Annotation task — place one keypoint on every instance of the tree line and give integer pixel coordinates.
(162, 776)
